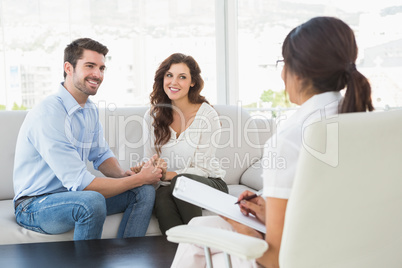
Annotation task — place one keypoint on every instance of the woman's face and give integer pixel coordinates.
(292, 85)
(177, 82)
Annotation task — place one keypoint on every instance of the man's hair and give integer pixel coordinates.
(74, 51)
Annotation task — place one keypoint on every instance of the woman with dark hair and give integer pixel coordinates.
(184, 131)
(319, 58)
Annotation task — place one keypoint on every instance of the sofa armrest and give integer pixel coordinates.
(235, 244)
(252, 177)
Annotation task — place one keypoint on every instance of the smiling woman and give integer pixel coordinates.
(177, 83)
(181, 124)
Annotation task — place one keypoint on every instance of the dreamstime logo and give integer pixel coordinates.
(324, 123)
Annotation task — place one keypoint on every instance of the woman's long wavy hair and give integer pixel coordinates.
(161, 105)
(323, 51)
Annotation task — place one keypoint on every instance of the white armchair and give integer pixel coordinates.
(242, 246)
(345, 208)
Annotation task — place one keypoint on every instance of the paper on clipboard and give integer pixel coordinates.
(214, 200)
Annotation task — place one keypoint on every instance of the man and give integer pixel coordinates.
(54, 192)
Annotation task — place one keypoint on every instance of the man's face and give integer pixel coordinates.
(88, 73)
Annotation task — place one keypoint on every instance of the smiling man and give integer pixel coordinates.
(54, 191)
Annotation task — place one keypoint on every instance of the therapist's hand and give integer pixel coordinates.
(255, 206)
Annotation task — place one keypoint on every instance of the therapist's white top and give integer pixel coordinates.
(193, 151)
(281, 152)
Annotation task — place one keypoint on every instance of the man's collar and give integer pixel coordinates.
(70, 104)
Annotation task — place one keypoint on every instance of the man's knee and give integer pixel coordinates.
(148, 192)
(144, 193)
(93, 203)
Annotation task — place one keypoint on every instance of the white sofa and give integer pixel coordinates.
(241, 145)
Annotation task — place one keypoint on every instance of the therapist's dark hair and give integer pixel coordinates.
(74, 51)
(323, 51)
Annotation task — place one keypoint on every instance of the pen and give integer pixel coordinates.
(248, 198)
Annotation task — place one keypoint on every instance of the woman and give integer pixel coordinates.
(184, 131)
(319, 58)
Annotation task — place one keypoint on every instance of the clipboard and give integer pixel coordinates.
(214, 200)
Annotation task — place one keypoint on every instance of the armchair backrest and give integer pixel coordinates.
(345, 209)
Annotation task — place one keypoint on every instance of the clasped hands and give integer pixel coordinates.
(156, 162)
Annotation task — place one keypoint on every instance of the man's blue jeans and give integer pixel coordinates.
(85, 212)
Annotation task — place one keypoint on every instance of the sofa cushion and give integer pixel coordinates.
(239, 144)
(10, 121)
(12, 233)
(252, 177)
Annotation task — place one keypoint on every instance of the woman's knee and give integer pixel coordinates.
(173, 181)
(163, 198)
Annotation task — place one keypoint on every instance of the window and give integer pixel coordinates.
(236, 43)
(140, 34)
(263, 25)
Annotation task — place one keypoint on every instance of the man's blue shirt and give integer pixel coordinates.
(55, 142)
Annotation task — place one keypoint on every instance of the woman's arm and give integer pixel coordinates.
(204, 162)
(275, 219)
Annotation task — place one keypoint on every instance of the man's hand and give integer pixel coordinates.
(255, 206)
(158, 162)
(150, 173)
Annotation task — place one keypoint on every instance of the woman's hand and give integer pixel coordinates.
(255, 206)
(170, 175)
(160, 163)
(137, 168)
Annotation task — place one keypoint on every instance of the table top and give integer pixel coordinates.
(149, 251)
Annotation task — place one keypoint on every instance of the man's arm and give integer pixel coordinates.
(109, 187)
(111, 168)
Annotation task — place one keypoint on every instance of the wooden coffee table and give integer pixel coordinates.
(149, 251)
